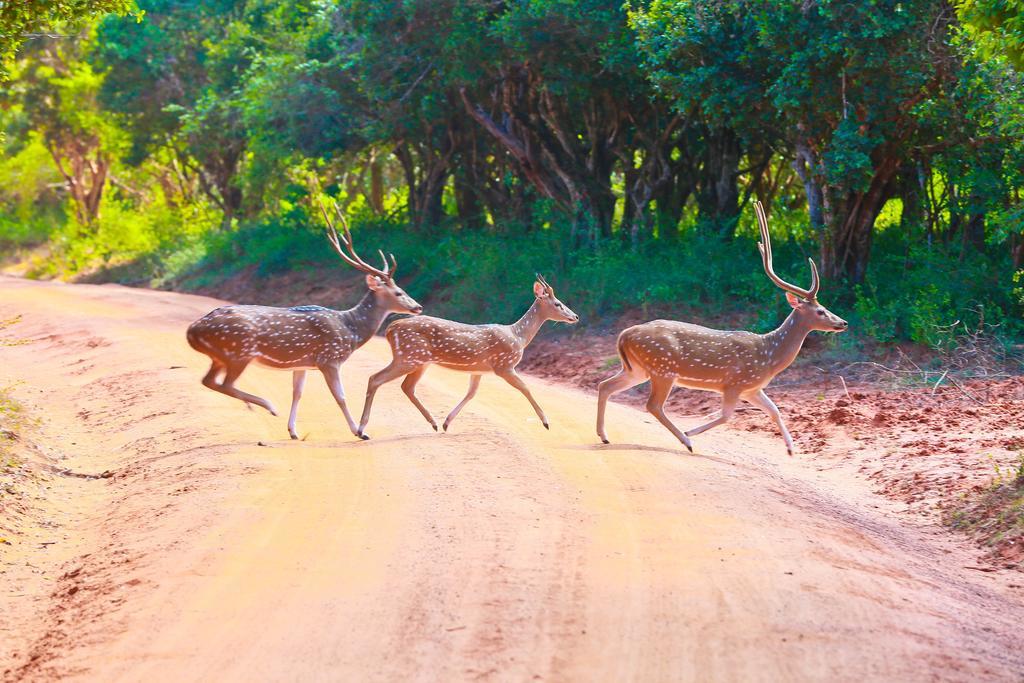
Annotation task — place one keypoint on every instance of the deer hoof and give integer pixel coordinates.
(364, 437)
(434, 426)
(546, 426)
(444, 427)
(294, 437)
(605, 441)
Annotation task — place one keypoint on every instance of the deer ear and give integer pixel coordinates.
(373, 282)
(793, 299)
(539, 290)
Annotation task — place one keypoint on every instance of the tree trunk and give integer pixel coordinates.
(85, 177)
(563, 160)
(849, 224)
(911, 192)
(974, 226)
(376, 198)
(669, 206)
(955, 217)
(467, 203)
(718, 201)
(671, 196)
(426, 172)
(805, 165)
(974, 231)
(431, 209)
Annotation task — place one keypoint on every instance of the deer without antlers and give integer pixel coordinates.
(300, 338)
(738, 365)
(416, 343)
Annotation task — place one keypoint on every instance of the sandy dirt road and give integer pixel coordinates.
(499, 551)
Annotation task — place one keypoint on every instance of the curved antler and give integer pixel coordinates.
(765, 247)
(540, 279)
(352, 258)
(394, 263)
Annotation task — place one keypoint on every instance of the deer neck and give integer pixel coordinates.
(784, 343)
(526, 328)
(365, 318)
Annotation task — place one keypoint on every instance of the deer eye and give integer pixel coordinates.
(821, 312)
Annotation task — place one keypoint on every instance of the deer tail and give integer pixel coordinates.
(194, 339)
(197, 339)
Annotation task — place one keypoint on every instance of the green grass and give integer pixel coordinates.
(995, 516)
(13, 420)
(14, 423)
(914, 292)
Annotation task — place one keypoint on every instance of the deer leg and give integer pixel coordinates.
(298, 382)
(409, 387)
(474, 384)
(729, 401)
(210, 378)
(660, 389)
(333, 376)
(394, 370)
(510, 376)
(608, 388)
(761, 400)
(234, 370)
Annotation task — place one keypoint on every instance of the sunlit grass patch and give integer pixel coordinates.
(4, 324)
(13, 422)
(995, 515)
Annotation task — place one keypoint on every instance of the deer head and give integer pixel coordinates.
(549, 305)
(381, 282)
(810, 314)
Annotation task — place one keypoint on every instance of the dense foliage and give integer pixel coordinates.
(619, 145)
(22, 20)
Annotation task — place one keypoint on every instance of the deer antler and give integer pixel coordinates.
(765, 247)
(540, 279)
(394, 263)
(352, 258)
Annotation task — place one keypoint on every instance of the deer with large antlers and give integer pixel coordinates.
(300, 338)
(738, 365)
(416, 343)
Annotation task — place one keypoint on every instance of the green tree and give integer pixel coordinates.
(565, 98)
(705, 57)
(997, 26)
(177, 80)
(850, 85)
(56, 93)
(37, 19)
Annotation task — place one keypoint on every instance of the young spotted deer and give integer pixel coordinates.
(477, 349)
(738, 365)
(300, 338)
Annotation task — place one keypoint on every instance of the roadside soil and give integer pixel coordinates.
(180, 536)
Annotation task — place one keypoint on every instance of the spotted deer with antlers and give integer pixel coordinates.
(300, 338)
(738, 365)
(416, 343)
